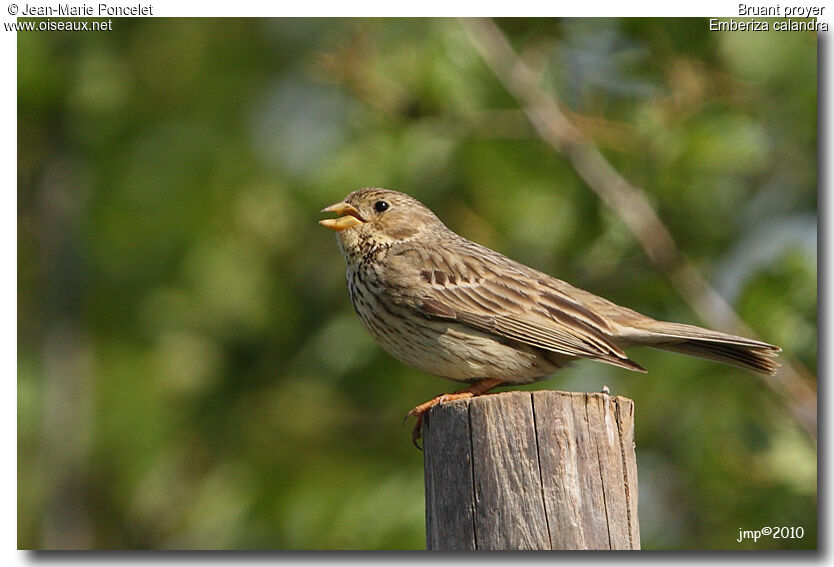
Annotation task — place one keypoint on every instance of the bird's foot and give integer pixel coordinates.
(475, 389)
(424, 407)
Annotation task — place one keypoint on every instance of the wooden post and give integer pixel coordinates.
(531, 470)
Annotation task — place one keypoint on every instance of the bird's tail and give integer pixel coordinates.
(722, 347)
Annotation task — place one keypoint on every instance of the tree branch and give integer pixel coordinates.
(792, 383)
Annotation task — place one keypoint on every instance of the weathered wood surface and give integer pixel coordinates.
(531, 470)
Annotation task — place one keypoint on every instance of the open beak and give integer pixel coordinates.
(348, 217)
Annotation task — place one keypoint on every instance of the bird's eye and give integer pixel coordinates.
(381, 206)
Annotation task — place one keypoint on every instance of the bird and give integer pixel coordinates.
(459, 310)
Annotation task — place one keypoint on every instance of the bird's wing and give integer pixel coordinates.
(493, 294)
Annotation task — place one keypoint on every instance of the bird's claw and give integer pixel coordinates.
(418, 411)
(475, 389)
(413, 413)
(416, 433)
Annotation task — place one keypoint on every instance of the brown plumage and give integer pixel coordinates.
(456, 309)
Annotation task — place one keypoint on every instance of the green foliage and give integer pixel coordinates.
(191, 374)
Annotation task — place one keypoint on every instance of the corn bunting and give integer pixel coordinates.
(455, 309)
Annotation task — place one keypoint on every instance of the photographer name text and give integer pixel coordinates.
(88, 10)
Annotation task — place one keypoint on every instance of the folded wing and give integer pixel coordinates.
(508, 302)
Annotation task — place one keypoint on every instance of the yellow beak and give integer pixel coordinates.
(349, 216)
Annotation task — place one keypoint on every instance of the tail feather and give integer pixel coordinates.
(722, 347)
(748, 358)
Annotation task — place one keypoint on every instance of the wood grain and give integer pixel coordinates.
(531, 470)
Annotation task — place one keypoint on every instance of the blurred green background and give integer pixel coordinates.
(190, 371)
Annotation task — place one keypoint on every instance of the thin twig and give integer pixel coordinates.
(630, 204)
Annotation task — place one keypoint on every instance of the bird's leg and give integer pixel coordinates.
(476, 389)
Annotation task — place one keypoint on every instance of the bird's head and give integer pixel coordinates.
(373, 217)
